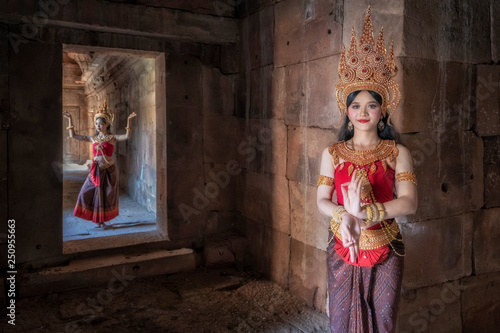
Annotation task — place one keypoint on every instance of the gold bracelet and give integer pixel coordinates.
(381, 210)
(70, 127)
(128, 128)
(324, 180)
(407, 175)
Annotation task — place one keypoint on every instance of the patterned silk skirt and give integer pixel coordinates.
(99, 203)
(364, 299)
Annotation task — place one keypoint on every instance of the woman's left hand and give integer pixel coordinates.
(132, 115)
(352, 196)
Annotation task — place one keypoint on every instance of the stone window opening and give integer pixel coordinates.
(127, 81)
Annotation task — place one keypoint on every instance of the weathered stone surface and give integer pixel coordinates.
(261, 92)
(306, 91)
(437, 96)
(268, 251)
(230, 58)
(495, 31)
(288, 48)
(308, 225)
(449, 173)
(245, 8)
(486, 241)
(491, 171)
(295, 92)
(308, 274)
(322, 38)
(221, 139)
(218, 94)
(305, 147)
(266, 200)
(262, 146)
(487, 100)
(445, 35)
(437, 250)
(431, 309)
(220, 185)
(322, 110)
(260, 38)
(30, 183)
(481, 303)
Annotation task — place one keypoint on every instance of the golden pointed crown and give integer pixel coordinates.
(368, 68)
(104, 112)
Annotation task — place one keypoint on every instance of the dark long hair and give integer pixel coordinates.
(388, 133)
(104, 121)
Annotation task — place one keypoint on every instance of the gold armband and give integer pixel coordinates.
(407, 175)
(324, 180)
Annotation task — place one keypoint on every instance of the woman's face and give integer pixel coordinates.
(100, 125)
(364, 112)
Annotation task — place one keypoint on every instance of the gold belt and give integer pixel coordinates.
(105, 164)
(371, 239)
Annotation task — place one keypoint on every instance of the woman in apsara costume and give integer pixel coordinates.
(98, 198)
(372, 175)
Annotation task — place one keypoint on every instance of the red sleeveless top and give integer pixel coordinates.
(377, 184)
(104, 148)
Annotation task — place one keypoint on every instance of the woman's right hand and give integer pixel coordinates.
(350, 231)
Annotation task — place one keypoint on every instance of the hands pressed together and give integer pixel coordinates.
(351, 225)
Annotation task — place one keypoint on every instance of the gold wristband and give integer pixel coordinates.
(70, 127)
(381, 210)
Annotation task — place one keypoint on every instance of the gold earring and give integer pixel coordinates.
(350, 127)
(381, 125)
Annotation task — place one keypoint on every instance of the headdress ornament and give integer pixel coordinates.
(368, 68)
(104, 112)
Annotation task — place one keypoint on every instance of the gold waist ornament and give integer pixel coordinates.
(371, 239)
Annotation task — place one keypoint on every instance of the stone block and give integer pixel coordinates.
(488, 100)
(295, 94)
(288, 15)
(263, 146)
(305, 147)
(288, 48)
(495, 31)
(260, 37)
(449, 172)
(268, 251)
(230, 58)
(221, 185)
(308, 274)
(431, 309)
(279, 95)
(322, 110)
(261, 92)
(218, 94)
(491, 171)
(217, 253)
(481, 303)
(437, 250)
(436, 96)
(486, 241)
(266, 200)
(184, 81)
(322, 38)
(308, 225)
(222, 137)
(245, 8)
(444, 35)
(29, 183)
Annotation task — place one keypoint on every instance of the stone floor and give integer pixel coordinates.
(133, 217)
(201, 301)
